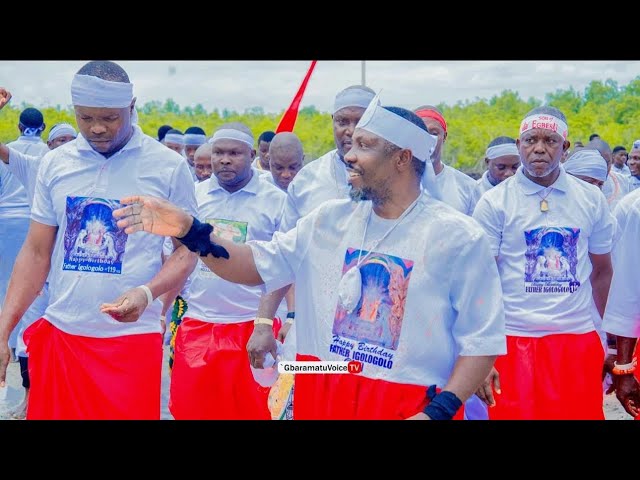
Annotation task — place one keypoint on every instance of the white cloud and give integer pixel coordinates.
(239, 85)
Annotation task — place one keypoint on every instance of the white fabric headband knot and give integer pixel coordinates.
(194, 139)
(502, 150)
(62, 129)
(231, 134)
(352, 97)
(546, 122)
(588, 163)
(405, 134)
(174, 138)
(90, 91)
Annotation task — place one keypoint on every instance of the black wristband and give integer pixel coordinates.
(197, 240)
(291, 315)
(443, 405)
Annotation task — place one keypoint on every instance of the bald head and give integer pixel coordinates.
(286, 158)
(202, 162)
(603, 147)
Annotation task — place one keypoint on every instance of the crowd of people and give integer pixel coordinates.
(459, 298)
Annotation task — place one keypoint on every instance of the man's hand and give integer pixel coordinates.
(485, 392)
(152, 215)
(607, 368)
(5, 358)
(5, 96)
(284, 329)
(128, 307)
(260, 343)
(419, 416)
(628, 393)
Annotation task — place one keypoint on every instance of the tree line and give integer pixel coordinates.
(605, 108)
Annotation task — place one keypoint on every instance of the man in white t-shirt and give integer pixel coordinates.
(456, 188)
(14, 201)
(622, 315)
(286, 158)
(25, 168)
(361, 270)
(211, 377)
(261, 162)
(502, 160)
(616, 185)
(113, 350)
(551, 235)
(324, 178)
(619, 156)
(634, 166)
(202, 163)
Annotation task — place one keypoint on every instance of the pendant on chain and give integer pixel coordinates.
(544, 206)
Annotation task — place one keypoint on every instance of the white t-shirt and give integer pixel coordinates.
(614, 188)
(457, 189)
(622, 171)
(14, 199)
(93, 261)
(251, 213)
(25, 168)
(167, 250)
(622, 315)
(543, 257)
(318, 181)
(282, 308)
(257, 167)
(634, 183)
(426, 297)
(482, 185)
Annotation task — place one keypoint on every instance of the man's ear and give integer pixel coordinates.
(404, 159)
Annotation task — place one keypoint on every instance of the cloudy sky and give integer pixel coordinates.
(239, 85)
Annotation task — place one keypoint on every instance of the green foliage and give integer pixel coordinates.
(605, 108)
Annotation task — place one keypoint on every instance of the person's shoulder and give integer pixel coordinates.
(202, 187)
(583, 188)
(153, 147)
(447, 219)
(497, 194)
(267, 187)
(630, 201)
(461, 176)
(312, 168)
(335, 209)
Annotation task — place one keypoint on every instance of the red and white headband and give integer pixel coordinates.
(545, 122)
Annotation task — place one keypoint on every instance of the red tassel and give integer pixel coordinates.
(289, 118)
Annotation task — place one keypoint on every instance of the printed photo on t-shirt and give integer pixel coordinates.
(229, 230)
(551, 260)
(92, 240)
(371, 332)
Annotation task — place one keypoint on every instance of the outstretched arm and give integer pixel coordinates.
(161, 217)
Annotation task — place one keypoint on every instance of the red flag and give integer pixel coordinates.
(291, 115)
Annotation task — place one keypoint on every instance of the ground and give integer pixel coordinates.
(612, 408)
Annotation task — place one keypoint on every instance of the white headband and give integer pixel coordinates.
(90, 91)
(231, 134)
(174, 138)
(636, 144)
(588, 163)
(404, 134)
(194, 139)
(62, 129)
(502, 150)
(546, 122)
(352, 97)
